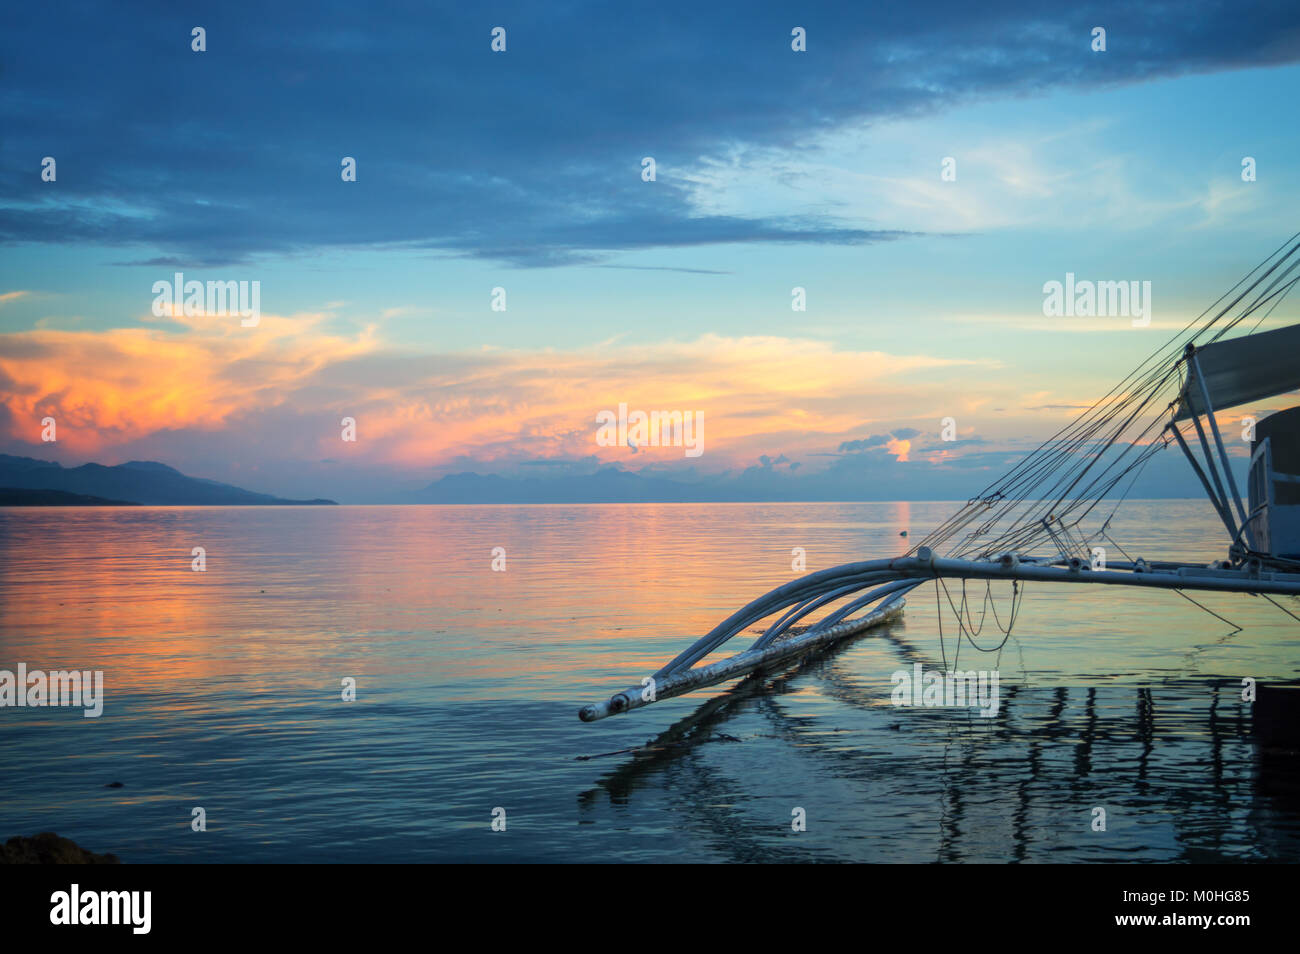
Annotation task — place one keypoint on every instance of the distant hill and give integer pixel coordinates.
(138, 482)
(1167, 476)
(17, 497)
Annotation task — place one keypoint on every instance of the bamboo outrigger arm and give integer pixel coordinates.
(887, 582)
(741, 664)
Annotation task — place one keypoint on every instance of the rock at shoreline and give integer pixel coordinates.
(48, 848)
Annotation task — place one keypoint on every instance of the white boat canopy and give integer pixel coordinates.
(1240, 370)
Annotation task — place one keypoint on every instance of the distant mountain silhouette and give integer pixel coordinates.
(137, 481)
(18, 497)
(883, 480)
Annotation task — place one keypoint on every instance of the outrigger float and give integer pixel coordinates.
(1173, 397)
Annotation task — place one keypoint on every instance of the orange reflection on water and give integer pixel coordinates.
(405, 598)
(298, 596)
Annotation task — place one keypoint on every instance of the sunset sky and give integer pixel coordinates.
(522, 170)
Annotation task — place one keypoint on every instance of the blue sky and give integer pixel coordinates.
(522, 170)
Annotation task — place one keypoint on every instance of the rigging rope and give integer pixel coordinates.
(1049, 493)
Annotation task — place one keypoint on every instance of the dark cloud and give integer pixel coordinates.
(668, 268)
(531, 156)
(865, 443)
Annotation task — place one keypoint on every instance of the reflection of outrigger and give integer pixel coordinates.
(1043, 501)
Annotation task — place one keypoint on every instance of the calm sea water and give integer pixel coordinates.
(223, 691)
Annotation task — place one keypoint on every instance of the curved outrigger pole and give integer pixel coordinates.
(1043, 500)
(890, 580)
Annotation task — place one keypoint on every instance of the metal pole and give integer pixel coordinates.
(1214, 472)
(1218, 441)
(1219, 506)
(1185, 578)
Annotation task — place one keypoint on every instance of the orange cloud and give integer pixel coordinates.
(899, 448)
(286, 384)
(110, 387)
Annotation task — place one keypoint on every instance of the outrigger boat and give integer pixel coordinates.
(1045, 502)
